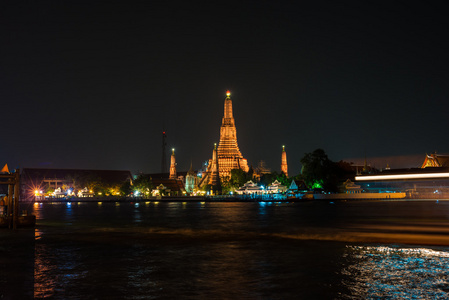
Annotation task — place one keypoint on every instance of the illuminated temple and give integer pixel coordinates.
(435, 160)
(227, 155)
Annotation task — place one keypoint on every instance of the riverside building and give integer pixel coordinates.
(431, 181)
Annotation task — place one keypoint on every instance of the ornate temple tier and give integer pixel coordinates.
(228, 153)
(284, 166)
(173, 165)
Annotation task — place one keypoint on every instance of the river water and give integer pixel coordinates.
(210, 250)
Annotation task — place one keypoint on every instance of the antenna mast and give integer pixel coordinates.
(164, 155)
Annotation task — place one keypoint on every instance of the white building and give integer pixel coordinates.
(250, 188)
(276, 188)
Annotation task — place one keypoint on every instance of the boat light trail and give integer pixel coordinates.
(402, 176)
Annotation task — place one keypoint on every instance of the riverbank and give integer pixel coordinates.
(244, 198)
(218, 198)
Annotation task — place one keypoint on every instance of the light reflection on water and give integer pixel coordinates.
(44, 270)
(208, 250)
(397, 273)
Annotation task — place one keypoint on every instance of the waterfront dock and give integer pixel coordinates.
(9, 206)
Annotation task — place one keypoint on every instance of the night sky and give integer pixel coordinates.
(92, 84)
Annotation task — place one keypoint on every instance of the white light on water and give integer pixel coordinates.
(405, 251)
(397, 273)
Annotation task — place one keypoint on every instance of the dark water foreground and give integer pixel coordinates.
(315, 250)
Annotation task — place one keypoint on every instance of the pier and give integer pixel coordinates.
(9, 213)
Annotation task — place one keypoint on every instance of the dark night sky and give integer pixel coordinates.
(92, 84)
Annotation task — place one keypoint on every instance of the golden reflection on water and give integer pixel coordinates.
(37, 210)
(44, 284)
(231, 263)
(229, 214)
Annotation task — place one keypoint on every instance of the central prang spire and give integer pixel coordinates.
(228, 107)
(228, 153)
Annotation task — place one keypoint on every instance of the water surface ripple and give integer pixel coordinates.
(200, 250)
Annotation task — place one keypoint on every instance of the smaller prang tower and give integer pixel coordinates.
(173, 165)
(214, 174)
(284, 166)
(190, 180)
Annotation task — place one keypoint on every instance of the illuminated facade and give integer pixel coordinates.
(214, 177)
(173, 165)
(276, 187)
(190, 180)
(64, 182)
(284, 166)
(435, 160)
(431, 181)
(228, 153)
(416, 183)
(250, 188)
